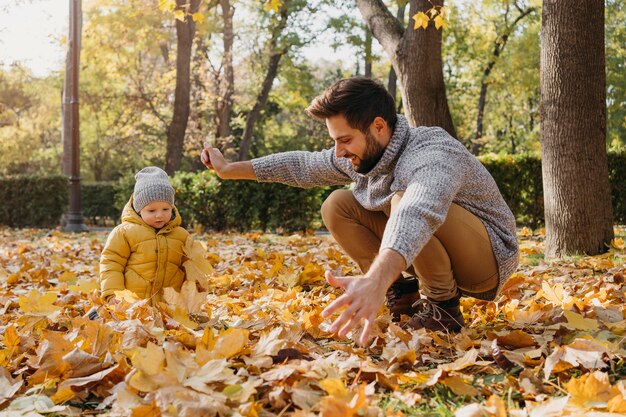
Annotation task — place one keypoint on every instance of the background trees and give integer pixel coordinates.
(252, 71)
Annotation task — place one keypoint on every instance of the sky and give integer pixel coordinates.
(30, 31)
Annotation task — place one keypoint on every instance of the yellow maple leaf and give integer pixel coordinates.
(197, 266)
(459, 386)
(127, 295)
(579, 322)
(85, 285)
(198, 17)
(555, 294)
(421, 20)
(440, 22)
(189, 299)
(149, 360)
(589, 388)
(273, 5)
(179, 15)
(39, 304)
(334, 386)
(311, 274)
(167, 5)
(229, 343)
(618, 243)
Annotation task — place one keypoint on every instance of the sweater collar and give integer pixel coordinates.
(393, 149)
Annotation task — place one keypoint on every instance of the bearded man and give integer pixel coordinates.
(423, 214)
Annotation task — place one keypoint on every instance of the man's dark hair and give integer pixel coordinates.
(359, 99)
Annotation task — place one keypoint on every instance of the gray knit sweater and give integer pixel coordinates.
(431, 167)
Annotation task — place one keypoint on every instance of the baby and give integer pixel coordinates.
(144, 254)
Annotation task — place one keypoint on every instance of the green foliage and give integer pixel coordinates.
(96, 201)
(617, 176)
(520, 182)
(28, 200)
(204, 199)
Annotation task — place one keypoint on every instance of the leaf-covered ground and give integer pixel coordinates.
(255, 344)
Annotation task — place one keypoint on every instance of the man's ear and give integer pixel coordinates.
(380, 125)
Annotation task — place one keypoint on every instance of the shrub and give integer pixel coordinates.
(33, 200)
(97, 201)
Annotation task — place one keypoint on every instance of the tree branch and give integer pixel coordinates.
(382, 23)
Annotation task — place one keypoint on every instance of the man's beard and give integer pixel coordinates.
(372, 154)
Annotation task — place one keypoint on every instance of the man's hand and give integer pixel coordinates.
(364, 294)
(213, 159)
(363, 298)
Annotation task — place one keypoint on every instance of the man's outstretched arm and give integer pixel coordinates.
(213, 159)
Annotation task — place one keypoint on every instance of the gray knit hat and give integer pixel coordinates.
(152, 185)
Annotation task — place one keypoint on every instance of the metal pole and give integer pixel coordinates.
(75, 221)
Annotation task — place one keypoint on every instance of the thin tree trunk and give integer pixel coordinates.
(393, 78)
(272, 70)
(576, 185)
(368, 52)
(498, 47)
(224, 102)
(416, 58)
(176, 130)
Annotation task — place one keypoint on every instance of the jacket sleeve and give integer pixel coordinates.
(425, 203)
(301, 169)
(113, 263)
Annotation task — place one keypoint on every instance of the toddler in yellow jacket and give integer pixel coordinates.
(144, 254)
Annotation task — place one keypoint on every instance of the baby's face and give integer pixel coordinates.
(156, 214)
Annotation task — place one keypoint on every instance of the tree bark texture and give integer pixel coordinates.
(416, 58)
(393, 79)
(176, 130)
(276, 54)
(576, 185)
(226, 88)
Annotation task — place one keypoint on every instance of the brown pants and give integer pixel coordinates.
(459, 255)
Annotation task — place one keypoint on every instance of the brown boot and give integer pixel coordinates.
(401, 296)
(438, 315)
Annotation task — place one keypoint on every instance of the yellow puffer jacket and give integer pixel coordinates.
(139, 258)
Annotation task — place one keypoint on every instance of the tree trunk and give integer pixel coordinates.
(416, 58)
(224, 102)
(393, 78)
(368, 52)
(272, 70)
(576, 185)
(176, 130)
(498, 47)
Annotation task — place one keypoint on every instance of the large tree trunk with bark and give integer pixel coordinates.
(416, 58)
(176, 130)
(573, 128)
(276, 54)
(226, 88)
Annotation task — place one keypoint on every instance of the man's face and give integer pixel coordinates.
(362, 149)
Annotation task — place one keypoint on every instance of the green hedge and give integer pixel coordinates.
(520, 183)
(33, 200)
(203, 199)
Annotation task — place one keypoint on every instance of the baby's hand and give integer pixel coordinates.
(112, 301)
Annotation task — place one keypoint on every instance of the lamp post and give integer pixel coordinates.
(71, 130)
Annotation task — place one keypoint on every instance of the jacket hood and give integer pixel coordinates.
(129, 215)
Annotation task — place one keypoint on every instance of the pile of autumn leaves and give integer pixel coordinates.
(246, 338)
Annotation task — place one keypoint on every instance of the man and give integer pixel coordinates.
(420, 202)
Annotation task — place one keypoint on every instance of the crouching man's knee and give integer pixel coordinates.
(335, 206)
